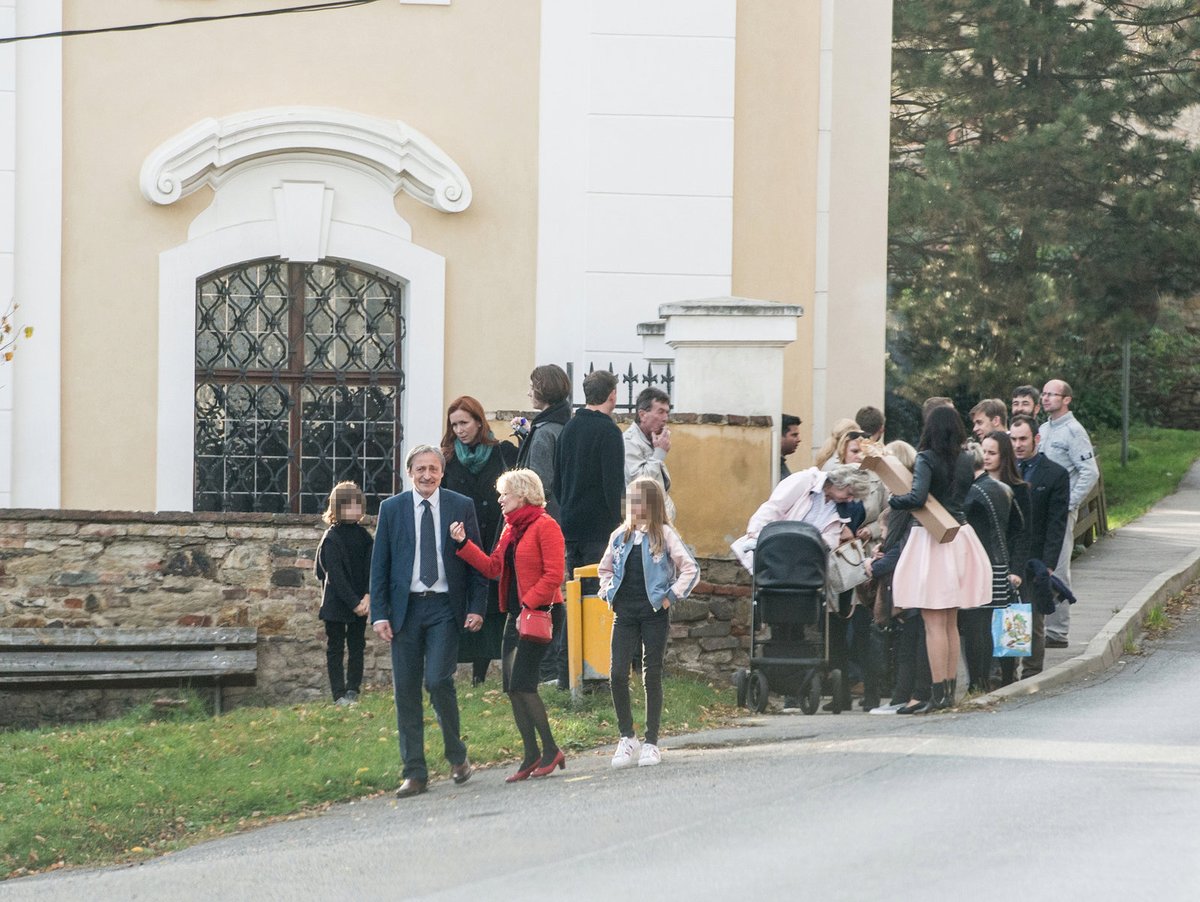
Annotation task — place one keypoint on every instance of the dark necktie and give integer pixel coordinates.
(1025, 465)
(429, 567)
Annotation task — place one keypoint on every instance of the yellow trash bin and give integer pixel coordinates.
(589, 632)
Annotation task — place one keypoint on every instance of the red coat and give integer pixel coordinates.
(540, 561)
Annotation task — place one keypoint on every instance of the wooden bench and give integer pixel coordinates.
(100, 658)
(1092, 522)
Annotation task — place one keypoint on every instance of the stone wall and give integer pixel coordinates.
(117, 569)
(710, 630)
(68, 569)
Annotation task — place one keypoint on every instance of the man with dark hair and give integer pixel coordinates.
(1049, 492)
(1067, 443)
(931, 404)
(1027, 400)
(988, 416)
(589, 484)
(789, 441)
(870, 420)
(648, 441)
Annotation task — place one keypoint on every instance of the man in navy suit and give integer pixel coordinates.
(422, 595)
(1050, 494)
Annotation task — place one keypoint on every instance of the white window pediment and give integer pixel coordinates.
(212, 149)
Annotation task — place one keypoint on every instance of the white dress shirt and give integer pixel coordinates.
(415, 584)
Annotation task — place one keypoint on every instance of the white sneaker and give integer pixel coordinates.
(885, 709)
(627, 752)
(650, 756)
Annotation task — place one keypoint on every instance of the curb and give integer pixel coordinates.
(1108, 645)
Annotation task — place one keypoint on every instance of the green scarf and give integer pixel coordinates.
(473, 457)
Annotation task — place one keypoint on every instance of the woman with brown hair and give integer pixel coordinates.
(474, 461)
(528, 561)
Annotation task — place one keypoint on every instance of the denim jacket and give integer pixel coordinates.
(670, 575)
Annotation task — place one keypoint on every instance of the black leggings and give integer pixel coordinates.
(520, 665)
(637, 627)
(338, 638)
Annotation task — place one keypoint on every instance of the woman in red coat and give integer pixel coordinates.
(528, 563)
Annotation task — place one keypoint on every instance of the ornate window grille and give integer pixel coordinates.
(298, 385)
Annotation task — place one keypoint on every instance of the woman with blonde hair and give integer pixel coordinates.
(828, 451)
(528, 562)
(644, 569)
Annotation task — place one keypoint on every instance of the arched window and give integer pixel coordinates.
(298, 384)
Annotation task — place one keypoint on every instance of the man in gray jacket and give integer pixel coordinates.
(1066, 442)
(648, 441)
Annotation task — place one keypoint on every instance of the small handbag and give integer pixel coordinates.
(535, 625)
(847, 566)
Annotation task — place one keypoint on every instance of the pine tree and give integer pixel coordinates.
(1042, 200)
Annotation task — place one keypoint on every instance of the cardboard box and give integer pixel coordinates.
(933, 516)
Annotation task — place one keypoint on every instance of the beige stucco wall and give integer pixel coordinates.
(775, 173)
(464, 74)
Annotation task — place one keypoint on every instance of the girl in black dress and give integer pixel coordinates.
(343, 566)
(474, 461)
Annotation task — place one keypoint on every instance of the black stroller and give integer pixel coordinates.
(788, 595)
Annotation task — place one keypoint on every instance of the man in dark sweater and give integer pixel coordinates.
(589, 482)
(589, 473)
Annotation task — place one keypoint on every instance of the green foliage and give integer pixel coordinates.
(154, 781)
(1039, 208)
(1159, 459)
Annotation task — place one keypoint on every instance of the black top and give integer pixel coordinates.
(631, 594)
(931, 476)
(991, 512)
(344, 568)
(589, 473)
(481, 488)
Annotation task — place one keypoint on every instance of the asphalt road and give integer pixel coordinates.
(1091, 793)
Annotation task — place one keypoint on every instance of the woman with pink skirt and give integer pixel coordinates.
(941, 578)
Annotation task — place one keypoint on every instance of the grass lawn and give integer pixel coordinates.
(1158, 459)
(140, 786)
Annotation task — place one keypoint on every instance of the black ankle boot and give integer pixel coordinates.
(951, 692)
(938, 696)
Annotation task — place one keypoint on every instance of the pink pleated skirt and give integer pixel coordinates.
(957, 574)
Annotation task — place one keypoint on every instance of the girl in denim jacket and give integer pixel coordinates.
(645, 568)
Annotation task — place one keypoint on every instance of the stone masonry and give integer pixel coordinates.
(69, 569)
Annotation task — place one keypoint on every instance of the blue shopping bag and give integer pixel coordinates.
(1012, 631)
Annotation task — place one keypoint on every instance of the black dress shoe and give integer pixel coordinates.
(412, 787)
(1055, 643)
(461, 772)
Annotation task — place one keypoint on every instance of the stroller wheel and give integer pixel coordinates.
(810, 698)
(836, 687)
(758, 691)
(741, 681)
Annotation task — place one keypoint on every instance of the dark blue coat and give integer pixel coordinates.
(396, 548)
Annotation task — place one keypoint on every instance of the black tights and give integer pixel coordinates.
(530, 714)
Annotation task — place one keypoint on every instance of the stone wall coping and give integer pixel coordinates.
(729, 306)
(181, 518)
(682, 419)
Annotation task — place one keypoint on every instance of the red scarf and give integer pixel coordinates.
(520, 520)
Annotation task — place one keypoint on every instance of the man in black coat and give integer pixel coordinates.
(1050, 492)
(589, 482)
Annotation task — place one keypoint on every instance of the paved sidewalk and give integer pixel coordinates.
(1117, 581)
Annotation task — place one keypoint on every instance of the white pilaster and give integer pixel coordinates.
(36, 432)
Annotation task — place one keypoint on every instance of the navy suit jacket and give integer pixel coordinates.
(396, 548)
(1050, 493)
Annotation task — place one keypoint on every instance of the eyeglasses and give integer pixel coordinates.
(855, 435)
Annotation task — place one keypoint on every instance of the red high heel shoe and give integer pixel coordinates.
(546, 769)
(523, 773)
